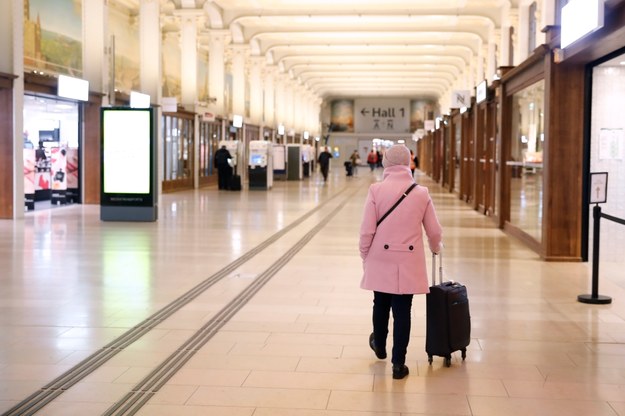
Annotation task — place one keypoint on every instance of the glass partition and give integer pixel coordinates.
(526, 162)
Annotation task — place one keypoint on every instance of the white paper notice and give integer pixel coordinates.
(611, 144)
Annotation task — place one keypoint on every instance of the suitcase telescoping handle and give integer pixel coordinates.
(440, 268)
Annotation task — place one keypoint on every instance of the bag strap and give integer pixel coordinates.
(406, 192)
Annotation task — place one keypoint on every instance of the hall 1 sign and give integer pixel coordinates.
(379, 115)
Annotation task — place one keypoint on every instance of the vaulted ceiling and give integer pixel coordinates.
(417, 48)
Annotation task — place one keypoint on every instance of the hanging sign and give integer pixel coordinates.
(460, 98)
(381, 115)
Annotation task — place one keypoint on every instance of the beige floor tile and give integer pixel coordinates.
(260, 397)
(206, 360)
(74, 409)
(441, 385)
(316, 381)
(565, 390)
(495, 406)
(180, 410)
(280, 350)
(209, 377)
(173, 395)
(404, 403)
(300, 412)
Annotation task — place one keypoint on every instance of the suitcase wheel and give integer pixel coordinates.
(430, 359)
(448, 361)
(464, 354)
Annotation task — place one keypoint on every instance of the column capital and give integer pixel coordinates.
(217, 35)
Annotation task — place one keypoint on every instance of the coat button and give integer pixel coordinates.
(385, 246)
(411, 248)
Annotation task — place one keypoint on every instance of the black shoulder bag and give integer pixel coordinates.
(406, 192)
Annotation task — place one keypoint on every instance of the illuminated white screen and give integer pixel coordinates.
(579, 18)
(74, 88)
(126, 150)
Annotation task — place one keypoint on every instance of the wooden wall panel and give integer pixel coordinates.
(91, 150)
(7, 146)
(564, 123)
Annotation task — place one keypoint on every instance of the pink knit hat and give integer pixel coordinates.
(396, 155)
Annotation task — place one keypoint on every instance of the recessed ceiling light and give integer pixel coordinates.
(622, 62)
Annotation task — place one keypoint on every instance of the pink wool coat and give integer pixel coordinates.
(393, 253)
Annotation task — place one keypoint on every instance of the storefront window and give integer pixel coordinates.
(178, 134)
(210, 135)
(607, 153)
(526, 184)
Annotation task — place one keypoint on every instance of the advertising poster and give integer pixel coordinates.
(72, 174)
(29, 178)
(58, 174)
(53, 35)
(342, 117)
(420, 111)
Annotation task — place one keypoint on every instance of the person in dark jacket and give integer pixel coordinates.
(324, 162)
(224, 170)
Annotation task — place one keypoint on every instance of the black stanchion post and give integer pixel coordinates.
(595, 297)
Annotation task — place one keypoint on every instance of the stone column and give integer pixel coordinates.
(239, 56)
(95, 34)
(216, 70)
(523, 34)
(270, 106)
(256, 90)
(150, 72)
(188, 56)
(11, 109)
(514, 35)
(280, 101)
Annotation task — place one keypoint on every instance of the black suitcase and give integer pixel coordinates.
(235, 183)
(448, 318)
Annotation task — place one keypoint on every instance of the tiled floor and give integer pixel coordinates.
(284, 332)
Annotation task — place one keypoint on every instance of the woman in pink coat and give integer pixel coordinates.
(393, 252)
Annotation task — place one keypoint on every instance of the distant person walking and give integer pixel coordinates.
(372, 160)
(355, 159)
(324, 162)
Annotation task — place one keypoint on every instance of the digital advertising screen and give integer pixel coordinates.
(127, 156)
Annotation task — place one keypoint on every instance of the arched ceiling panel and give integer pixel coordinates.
(356, 47)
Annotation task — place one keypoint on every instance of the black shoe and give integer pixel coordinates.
(400, 371)
(381, 354)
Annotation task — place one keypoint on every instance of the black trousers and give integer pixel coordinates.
(224, 173)
(401, 306)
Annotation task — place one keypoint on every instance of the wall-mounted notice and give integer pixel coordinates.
(380, 115)
(611, 144)
(598, 187)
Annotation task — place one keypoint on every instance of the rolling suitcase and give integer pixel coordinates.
(235, 183)
(448, 320)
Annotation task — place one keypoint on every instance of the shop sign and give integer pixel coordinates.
(73, 88)
(139, 100)
(170, 104)
(580, 18)
(480, 92)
